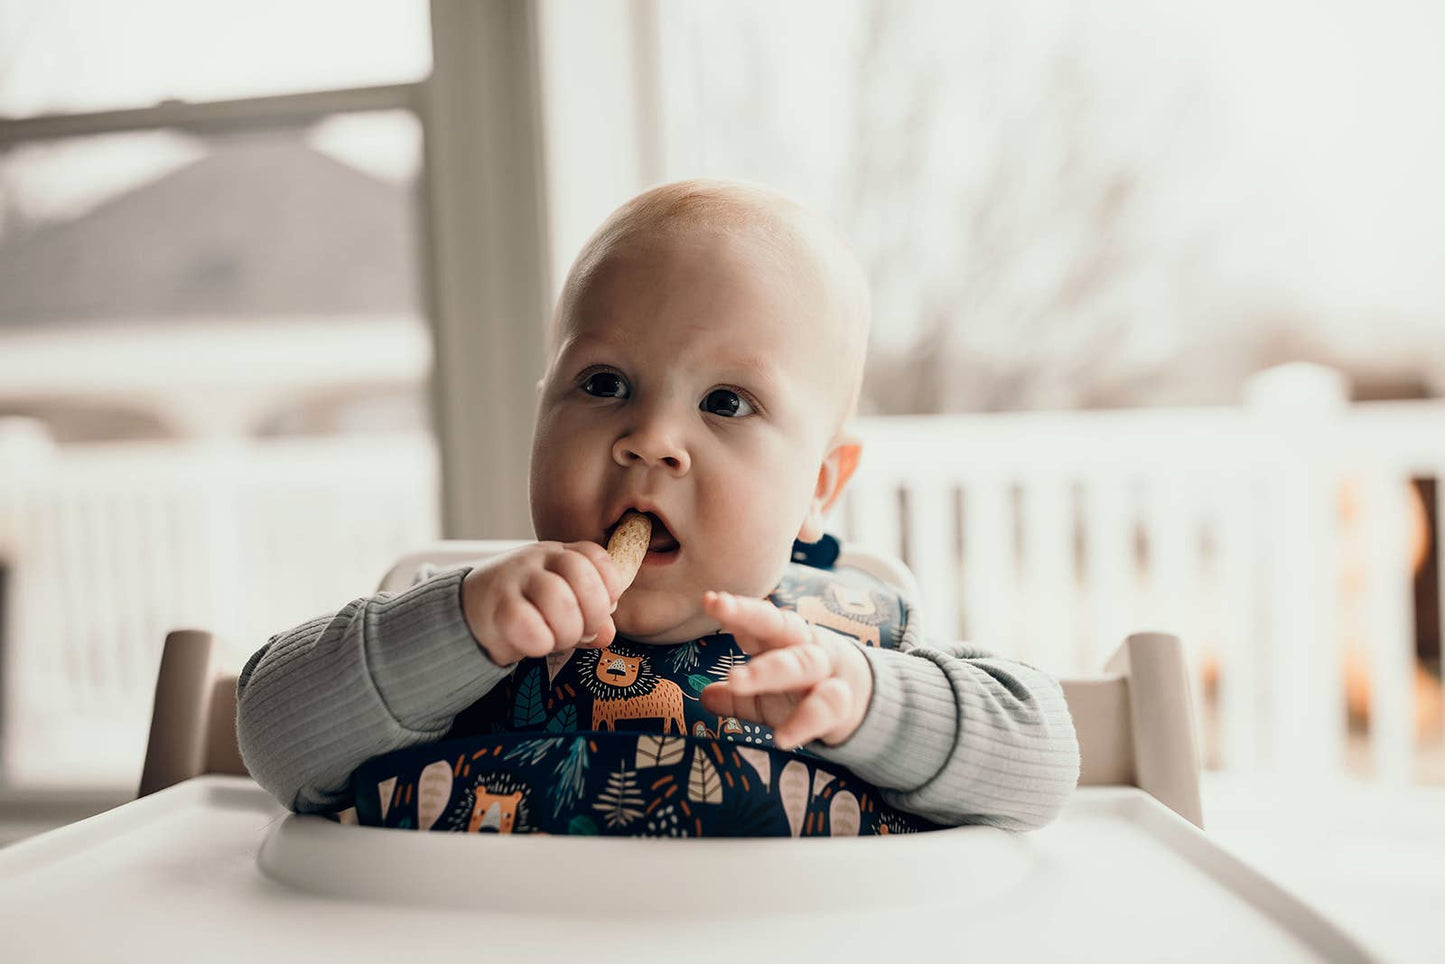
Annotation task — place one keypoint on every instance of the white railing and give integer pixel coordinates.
(1043, 536)
(108, 547)
(1050, 536)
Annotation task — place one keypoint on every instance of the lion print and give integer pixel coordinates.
(625, 687)
(843, 601)
(494, 803)
(851, 610)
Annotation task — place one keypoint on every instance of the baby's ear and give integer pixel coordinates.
(833, 475)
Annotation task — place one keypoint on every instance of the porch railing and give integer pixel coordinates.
(108, 547)
(1274, 540)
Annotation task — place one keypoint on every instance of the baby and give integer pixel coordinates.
(703, 363)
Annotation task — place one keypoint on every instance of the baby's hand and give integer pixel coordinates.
(805, 683)
(542, 598)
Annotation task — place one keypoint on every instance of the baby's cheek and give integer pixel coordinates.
(750, 560)
(563, 507)
(548, 518)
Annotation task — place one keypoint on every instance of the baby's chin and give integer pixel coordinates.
(655, 621)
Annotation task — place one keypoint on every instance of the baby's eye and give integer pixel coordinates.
(725, 401)
(605, 385)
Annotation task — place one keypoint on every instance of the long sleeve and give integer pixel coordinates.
(958, 735)
(385, 672)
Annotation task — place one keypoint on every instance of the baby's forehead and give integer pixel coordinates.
(707, 301)
(693, 350)
(723, 251)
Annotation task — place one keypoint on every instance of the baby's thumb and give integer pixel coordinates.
(605, 635)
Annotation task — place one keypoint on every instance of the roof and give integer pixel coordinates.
(261, 226)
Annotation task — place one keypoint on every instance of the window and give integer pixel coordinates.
(214, 353)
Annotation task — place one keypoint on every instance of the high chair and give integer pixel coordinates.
(1134, 723)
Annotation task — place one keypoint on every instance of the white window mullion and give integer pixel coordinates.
(487, 276)
(222, 116)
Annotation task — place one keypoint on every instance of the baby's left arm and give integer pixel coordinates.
(951, 733)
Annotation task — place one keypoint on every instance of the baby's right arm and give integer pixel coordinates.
(386, 672)
(393, 670)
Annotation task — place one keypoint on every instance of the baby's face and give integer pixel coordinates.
(690, 381)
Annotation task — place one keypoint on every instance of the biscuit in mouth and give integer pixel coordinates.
(628, 544)
(659, 539)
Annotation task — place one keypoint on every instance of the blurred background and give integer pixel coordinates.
(1159, 341)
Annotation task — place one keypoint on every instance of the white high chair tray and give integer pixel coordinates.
(213, 868)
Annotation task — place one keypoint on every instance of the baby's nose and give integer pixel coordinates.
(651, 448)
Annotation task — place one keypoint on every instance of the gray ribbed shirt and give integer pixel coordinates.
(952, 733)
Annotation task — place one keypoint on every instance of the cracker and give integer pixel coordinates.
(628, 544)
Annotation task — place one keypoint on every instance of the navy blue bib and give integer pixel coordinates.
(616, 741)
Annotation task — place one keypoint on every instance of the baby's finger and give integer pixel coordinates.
(522, 630)
(554, 599)
(782, 670)
(587, 585)
(816, 714)
(756, 624)
(606, 568)
(604, 636)
(720, 698)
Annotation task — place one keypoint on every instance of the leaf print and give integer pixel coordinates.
(571, 776)
(532, 752)
(527, 709)
(659, 751)
(760, 761)
(699, 682)
(683, 656)
(565, 721)
(620, 802)
(703, 785)
(725, 663)
(793, 788)
(844, 817)
(433, 791)
(582, 826)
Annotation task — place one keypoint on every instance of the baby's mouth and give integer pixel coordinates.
(662, 541)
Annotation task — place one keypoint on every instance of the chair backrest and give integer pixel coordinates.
(1135, 722)
(193, 723)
